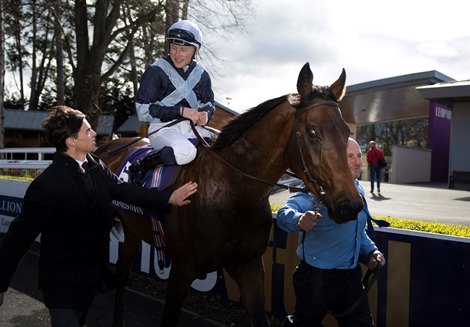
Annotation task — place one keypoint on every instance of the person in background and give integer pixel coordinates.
(68, 205)
(374, 154)
(328, 278)
(172, 88)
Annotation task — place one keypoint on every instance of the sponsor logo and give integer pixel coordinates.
(10, 206)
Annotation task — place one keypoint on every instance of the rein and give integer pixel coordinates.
(206, 145)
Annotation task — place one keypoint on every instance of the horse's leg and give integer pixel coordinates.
(129, 250)
(178, 285)
(250, 279)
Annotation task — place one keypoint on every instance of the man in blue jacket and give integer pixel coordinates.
(328, 278)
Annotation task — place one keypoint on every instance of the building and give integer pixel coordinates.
(432, 95)
(24, 129)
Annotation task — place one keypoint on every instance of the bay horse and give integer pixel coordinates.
(228, 223)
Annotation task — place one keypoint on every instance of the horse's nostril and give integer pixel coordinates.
(345, 211)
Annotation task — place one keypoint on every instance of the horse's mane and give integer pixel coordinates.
(235, 128)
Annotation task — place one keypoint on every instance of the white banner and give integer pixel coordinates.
(11, 201)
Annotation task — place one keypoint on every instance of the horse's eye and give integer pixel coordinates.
(312, 133)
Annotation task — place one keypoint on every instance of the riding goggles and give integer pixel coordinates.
(182, 37)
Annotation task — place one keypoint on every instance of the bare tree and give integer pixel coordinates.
(77, 50)
(2, 76)
(59, 53)
(15, 23)
(42, 40)
(91, 50)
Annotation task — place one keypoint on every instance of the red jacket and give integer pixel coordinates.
(373, 155)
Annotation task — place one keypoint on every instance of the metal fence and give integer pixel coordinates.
(25, 162)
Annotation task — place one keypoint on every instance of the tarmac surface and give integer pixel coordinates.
(23, 305)
(428, 202)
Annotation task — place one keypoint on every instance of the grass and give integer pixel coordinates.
(17, 178)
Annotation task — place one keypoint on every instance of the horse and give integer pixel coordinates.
(228, 222)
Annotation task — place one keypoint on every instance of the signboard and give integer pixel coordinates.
(11, 201)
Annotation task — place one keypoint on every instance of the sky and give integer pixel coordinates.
(371, 40)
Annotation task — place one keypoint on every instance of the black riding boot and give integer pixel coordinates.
(139, 168)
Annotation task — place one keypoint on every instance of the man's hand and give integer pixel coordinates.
(308, 220)
(203, 118)
(179, 197)
(376, 259)
(191, 114)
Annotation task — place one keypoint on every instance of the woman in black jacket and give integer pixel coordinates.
(68, 204)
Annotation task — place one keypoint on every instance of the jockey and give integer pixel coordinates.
(173, 87)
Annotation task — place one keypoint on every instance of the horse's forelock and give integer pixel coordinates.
(235, 128)
(323, 92)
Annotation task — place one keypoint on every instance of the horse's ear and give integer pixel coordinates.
(304, 82)
(338, 88)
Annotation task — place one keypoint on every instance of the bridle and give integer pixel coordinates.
(291, 189)
(298, 135)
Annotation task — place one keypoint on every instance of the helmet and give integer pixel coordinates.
(185, 32)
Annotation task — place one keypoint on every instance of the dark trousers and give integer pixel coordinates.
(66, 317)
(375, 176)
(322, 291)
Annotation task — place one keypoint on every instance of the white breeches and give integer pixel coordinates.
(176, 137)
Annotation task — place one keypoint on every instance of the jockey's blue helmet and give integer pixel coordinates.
(185, 32)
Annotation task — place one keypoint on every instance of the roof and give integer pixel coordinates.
(389, 98)
(26, 120)
(132, 124)
(31, 120)
(456, 91)
(105, 124)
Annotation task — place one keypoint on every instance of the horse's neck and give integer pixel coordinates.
(260, 151)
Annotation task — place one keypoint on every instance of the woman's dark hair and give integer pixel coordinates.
(61, 123)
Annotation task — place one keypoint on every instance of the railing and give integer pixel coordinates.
(25, 162)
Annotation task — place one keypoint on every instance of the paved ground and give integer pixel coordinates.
(23, 305)
(427, 202)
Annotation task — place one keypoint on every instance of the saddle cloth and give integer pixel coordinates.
(160, 177)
